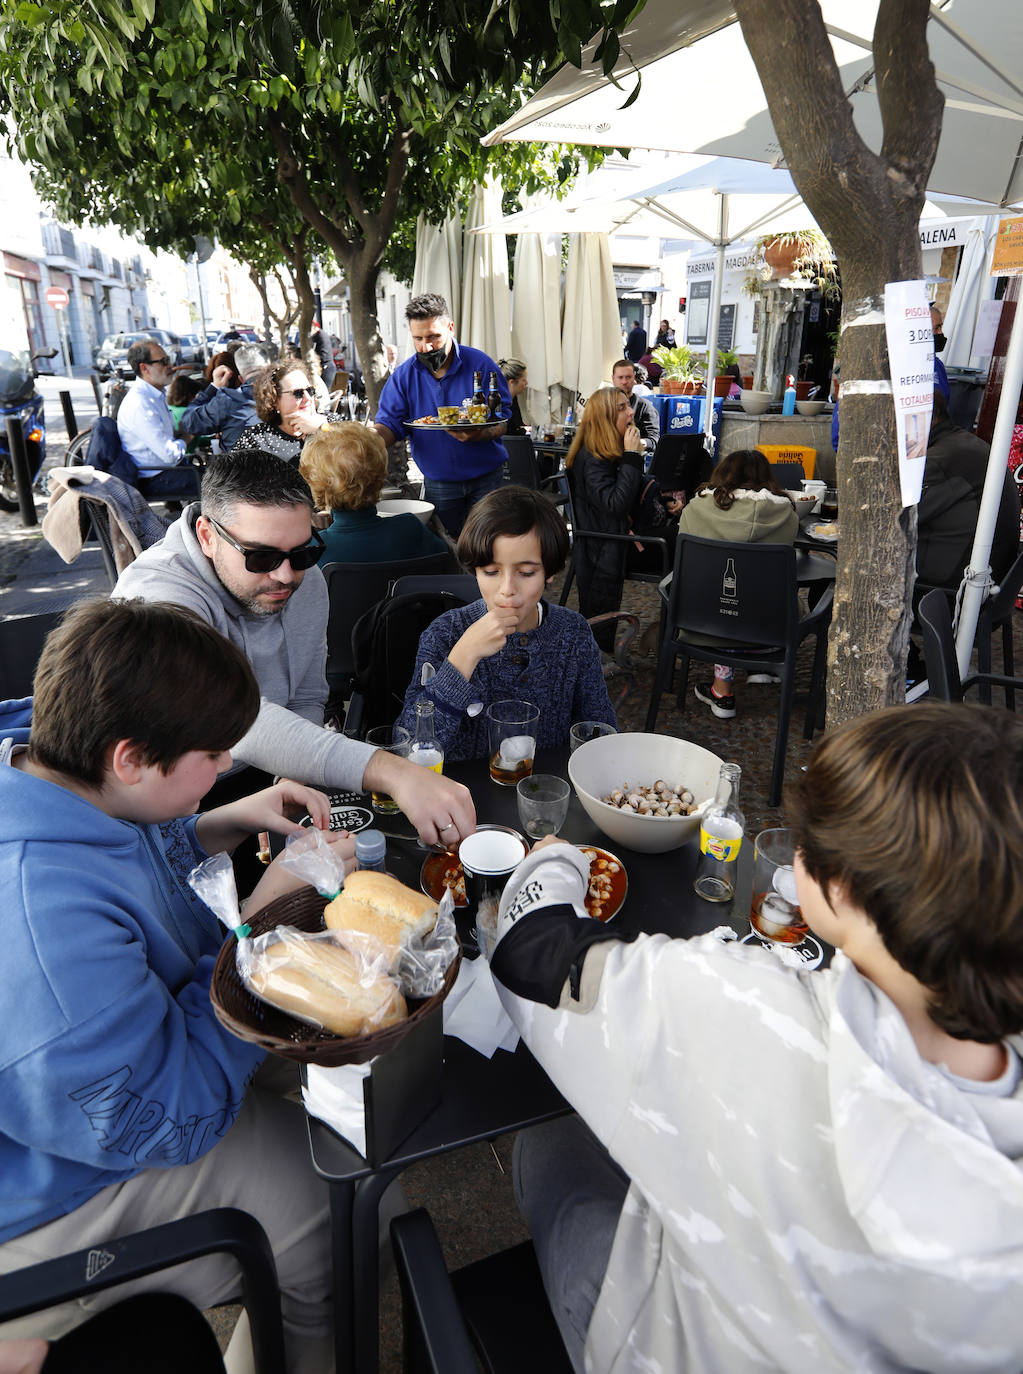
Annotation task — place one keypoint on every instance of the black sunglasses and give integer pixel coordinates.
(266, 560)
(159, 362)
(299, 391)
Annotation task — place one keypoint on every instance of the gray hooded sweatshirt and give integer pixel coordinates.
(807, 1193)
(288, 654)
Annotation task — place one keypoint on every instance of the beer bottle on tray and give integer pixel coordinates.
(493, 399)
(478, 399)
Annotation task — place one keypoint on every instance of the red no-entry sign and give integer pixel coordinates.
(57, 297)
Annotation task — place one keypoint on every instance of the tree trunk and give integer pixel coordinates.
(869, 206)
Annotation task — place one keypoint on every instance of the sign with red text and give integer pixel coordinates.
(907, 322)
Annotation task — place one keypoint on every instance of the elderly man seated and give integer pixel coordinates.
(225, 409)
(145, 426)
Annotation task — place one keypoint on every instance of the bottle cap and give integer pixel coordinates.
(370, 847)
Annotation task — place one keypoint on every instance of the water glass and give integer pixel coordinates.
(776, 914)
(396, 740)
(543, 804)
(513, 727)
(585, 730)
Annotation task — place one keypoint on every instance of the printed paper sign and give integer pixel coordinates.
(1007, 258)
(907, 322)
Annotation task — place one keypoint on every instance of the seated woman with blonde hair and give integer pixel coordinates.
(346, 465)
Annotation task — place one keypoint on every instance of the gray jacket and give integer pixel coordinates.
(288, 654)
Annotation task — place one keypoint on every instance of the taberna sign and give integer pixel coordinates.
(946, 233)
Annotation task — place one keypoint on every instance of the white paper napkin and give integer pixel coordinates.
(473, 1011)
(336, 1097)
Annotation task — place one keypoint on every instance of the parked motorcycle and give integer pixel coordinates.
(19, 397)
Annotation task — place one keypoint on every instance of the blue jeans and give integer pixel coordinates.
(454, 500)
(570, 1193)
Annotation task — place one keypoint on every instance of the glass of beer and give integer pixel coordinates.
(776, 913)
(513, 727)
(396, 740)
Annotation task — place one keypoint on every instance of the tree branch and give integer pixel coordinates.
(293, 178)
(911, 104)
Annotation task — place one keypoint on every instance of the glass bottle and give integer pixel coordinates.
(478, 399)
(427, 749)
(721, 832)
(494, 399)
(371, 851)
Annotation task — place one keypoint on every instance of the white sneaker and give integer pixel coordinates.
(762, 677)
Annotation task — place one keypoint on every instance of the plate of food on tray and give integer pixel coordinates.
(605, 896)
(451, 417)
(826, 530)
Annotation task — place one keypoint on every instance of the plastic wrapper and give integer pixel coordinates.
(310, 857)
(420, 968)
(213, 881)
(326, 980)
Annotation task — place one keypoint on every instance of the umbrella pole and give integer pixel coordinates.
(712, 324)
(978, 578)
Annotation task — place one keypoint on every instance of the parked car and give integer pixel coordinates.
(191, 348)
(235, 336)
(112, 354)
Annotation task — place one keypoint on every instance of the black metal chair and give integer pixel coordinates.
(738, 604)
(788, 475)
(224, 1230)
(523, 469)
(494, 1311)
(21, 642)
(996, 614)
(943, 680)
(681, 463)
(353, 589)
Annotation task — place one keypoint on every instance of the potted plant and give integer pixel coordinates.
(723, 379)
(678, 366)
(803, 257)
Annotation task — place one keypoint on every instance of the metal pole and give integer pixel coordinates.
(19, 467)
(97, 392)
(979, 567)
(712, 325)
(202, 310)
(70, 423)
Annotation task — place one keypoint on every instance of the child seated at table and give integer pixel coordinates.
(511, 645)
(788, 1170)
(124, 1103)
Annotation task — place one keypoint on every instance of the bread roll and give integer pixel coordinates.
(379, 905)
(318, 981)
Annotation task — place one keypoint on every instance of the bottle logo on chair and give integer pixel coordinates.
(729, 584)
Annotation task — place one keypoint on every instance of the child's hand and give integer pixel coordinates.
(484, 638)
(277, 880)
(277, 806)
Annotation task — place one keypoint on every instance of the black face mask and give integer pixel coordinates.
(434, 360)
(939, 342)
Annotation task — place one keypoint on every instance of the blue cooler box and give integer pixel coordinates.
(684, 415)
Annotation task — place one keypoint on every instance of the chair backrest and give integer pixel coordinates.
(21, 642)
(997, 607)
(680, 462)
(935, 617)
(353, 589)
(462, 585)
(522, 466)
(743, 594)
(788, 475)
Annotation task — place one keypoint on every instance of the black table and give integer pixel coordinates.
(484, 1098)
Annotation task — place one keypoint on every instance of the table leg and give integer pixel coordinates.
(365, 1269)
(342, 1198)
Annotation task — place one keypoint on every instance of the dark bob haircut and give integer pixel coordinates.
(144, 671)
(513, 511)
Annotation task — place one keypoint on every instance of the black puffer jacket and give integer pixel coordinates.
(947, 514)
(604, 493)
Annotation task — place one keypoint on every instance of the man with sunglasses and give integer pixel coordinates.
(145, 425)
(244, 560)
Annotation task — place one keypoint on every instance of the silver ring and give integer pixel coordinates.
(449, 826)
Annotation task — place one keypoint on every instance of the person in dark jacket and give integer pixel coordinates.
(223, 408)
(635, 344)
(950, 502)
(605, 461)
(346, 467)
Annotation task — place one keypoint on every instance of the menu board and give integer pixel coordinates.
(907, 320)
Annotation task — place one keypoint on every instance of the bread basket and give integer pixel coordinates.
(250, 1018)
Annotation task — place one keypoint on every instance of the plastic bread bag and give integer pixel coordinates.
(310, 857)
(324, 980)
(213, 882)
(421, 966)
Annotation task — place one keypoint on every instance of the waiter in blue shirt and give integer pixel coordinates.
(458, 468)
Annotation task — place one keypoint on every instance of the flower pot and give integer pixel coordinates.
(803, 390)
(669, 387)
(747, 383)
(780, 257)
(723, 384)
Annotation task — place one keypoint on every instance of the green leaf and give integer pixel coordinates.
(32, 15)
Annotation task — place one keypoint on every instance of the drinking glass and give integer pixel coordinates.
(488, 857)
(513, 727)
(585, 730)
(829, 504)
(396, 740)
(776, 914)
(543, 804)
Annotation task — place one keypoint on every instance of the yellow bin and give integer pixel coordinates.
(791, 453)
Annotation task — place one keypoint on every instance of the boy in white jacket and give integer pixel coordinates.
(787, 1170)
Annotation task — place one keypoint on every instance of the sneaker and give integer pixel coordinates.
(762, 677)
(723, 707)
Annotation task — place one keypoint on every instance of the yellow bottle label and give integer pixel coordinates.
(725, 848)
(427, 757)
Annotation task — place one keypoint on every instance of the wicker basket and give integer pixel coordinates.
(250, 1018)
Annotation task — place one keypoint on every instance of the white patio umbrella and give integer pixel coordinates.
(536, 319)
(439, 261)
(696, 47)
(591, 330)
(970, 287)
(485, 319)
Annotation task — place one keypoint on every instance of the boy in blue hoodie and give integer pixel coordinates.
(123, 1101)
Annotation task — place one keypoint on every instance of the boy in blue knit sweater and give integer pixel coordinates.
(512, 644)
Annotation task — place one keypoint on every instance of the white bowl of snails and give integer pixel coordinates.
(629, 763)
